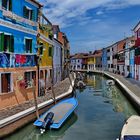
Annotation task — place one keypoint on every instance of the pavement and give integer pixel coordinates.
(59, 89)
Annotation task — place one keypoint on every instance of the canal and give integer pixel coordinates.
(99, 116)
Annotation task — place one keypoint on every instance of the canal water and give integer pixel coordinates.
(99, 116)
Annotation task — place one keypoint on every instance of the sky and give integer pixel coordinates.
(93, 24)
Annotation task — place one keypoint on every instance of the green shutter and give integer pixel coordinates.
(11, 46)
(10, 5)
(24, 12)
(33, 15)
(2, 42)
(31, 42)
(50, 51)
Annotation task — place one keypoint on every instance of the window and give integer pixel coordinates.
(50, 51)
(6, 82)
(128, 68)
(108, 58)
(28, 45)
(28, 13)
(6, 43)
(7, 4)
(111, 65)
(41, 48)
(28, 76)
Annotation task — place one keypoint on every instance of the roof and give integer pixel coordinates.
(40, 5)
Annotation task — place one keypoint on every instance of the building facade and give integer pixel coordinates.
(104, 59)
(45, 54)
(137, 51)
(18, 31)
(57, 55)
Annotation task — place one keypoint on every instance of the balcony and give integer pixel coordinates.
(17, 18)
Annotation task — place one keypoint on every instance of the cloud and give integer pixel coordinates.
(65, 12)
(99, 13)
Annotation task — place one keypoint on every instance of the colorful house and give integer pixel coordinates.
(104, 59)
(110, 58)
(91, 62)
(98, 59)
(18, 31)
(115, 56)
(137, 51)
(57, 64)
(121, 56)
(45, 53)
(129, 57)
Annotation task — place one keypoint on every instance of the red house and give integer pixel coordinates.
(137, 51)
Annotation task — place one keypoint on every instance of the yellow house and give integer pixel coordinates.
(45, 53)
(91, 62)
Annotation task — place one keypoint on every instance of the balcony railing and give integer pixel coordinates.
(15, 17)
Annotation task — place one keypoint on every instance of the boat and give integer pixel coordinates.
(57, 115)
(110, 83)
(131, 129)
(81, 84)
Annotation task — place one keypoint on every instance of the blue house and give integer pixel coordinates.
(104, 59)
(132, 62)
(18, 31)
(18, 49)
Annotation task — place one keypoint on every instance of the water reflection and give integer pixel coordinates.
(112, 95)
(101, 115)
(32, 133)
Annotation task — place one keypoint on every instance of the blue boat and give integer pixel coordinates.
(57, 115)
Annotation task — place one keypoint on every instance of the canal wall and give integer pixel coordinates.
(129, 90)
(17, 121)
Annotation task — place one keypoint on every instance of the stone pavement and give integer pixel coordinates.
(59, 89)
(131, 84)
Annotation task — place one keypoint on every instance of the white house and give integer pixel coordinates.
(76, 62)
(57, 61)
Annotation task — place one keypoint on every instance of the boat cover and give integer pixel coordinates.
(131, 137)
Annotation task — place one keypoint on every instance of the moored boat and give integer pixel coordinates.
(57, 115)
(110, 83)
(131, 129)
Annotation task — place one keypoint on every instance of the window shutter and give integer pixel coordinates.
(50, 51)
(10, 5)
(24, 12)
(31, 45)
(11, 47)
(33, 15)
(2, 42)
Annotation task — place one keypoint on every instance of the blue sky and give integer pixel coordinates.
(93, 24)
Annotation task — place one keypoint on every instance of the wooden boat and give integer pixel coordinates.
(57, 115)
(131, 129)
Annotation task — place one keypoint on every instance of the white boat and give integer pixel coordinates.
(131, 129)
(110, 83)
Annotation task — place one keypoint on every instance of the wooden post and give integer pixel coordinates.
(35, 100)
(53, 94)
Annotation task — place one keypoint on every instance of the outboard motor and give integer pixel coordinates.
(48, 120)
